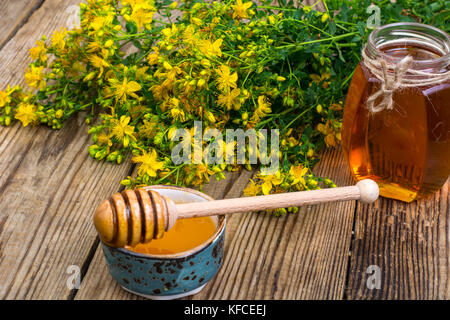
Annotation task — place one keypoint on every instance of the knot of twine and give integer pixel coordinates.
(393, 77)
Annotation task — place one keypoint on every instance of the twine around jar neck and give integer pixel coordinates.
(396, 76)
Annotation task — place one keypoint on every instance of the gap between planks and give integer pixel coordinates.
(14, 15)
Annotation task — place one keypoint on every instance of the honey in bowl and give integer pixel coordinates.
(185, 234)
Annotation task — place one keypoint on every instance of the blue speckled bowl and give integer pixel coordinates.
(169, 276)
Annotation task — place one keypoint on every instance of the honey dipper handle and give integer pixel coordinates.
(365, 190)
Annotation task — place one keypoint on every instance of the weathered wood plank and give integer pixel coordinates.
(13, 14)
(301, 256)
(49, 186)
(409, 243)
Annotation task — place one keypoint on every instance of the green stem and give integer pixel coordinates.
(345, 22)
(293, 45)
(276, 8)
(342, 45)
(128, 36)
(170, 173)
(231, 56)
(306, 24)
(248, 73)
(260, 124)
(297, 117)
(347, 79)
(163, 22)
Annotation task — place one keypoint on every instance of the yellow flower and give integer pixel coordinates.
(152, 58)
(262, 110)
(264, 105)
(4, 98)
(142, 15)
(39, 52)
(35, 78)
(124, 89)
(252, 189)
(149, 163)
(170, 32)
(190, 35)
(209, 48)
(270, 181)
(141, 73)
(98, 63)
(230, 100)
(319, 108)
(331, 137)
(202, 172)
(121, 129)
(167, 65)
(298, 174)
(149, 128)
(58, 39)
(178, 114)
(103, 139)
(336, 107)
(98, 22)
(94, 46)
(25, 112)
(240, 10)
(130, 3)
(318, 79)
(159, 92)
(226, 79)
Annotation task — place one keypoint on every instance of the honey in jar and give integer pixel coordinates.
(405, 148)
(184, 235)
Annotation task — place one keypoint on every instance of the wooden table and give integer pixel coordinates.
(49, 187)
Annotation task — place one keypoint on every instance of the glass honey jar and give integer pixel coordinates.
(396, 126)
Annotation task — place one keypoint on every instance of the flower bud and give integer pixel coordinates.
(108, 43)
(201, 83)
(167, 65)
(59, 114)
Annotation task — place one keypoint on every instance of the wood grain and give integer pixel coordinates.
(49, 187)
(13, 15)
(409, 243)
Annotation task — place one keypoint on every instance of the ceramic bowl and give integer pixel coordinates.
(169, 276)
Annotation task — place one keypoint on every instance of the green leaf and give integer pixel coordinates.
(332, 27)
(361, 26)
(131, 27)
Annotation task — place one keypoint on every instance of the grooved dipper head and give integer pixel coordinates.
(134, 216)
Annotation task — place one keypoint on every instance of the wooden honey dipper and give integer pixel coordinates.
(138, 216)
